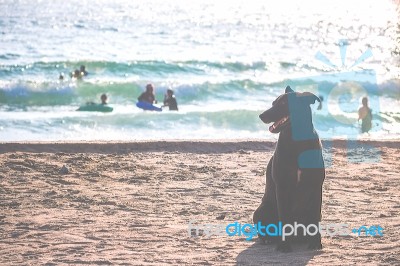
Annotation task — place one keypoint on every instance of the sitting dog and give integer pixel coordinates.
(296, 171)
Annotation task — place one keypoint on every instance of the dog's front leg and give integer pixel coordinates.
(284, 194)
(318, 176)
(283, 201)
(307, 202)
(267, 212)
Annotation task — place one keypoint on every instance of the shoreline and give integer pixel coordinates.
(189, 146)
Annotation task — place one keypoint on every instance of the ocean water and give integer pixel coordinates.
(226, 62)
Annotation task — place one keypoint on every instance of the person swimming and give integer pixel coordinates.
(103, 99)
(79, 73)
(83, 71)
(170, 100)
(365, 115)
(148, 96)
(76, 74)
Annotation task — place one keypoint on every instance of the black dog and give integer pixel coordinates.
(296, 171)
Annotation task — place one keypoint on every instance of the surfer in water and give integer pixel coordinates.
(170, 100)
(365, 114)
(148, 96)
(103, 99)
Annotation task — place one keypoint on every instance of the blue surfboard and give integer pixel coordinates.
(148, 106)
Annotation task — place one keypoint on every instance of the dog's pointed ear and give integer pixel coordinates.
(310, 98)
(288, 89)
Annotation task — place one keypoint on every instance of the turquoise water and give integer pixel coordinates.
(226, 62)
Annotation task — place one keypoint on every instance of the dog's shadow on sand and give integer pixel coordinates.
(261, 254)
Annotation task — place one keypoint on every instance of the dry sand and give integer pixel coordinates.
(130, 203)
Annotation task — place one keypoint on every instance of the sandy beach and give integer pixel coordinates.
(116, 203)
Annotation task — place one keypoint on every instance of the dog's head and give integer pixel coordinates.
(290, 105)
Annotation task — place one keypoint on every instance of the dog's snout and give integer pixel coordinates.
(264, 117)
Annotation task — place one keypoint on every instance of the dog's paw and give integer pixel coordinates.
(284, 247)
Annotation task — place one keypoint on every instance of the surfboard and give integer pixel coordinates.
(95, 108)
(148, 106)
